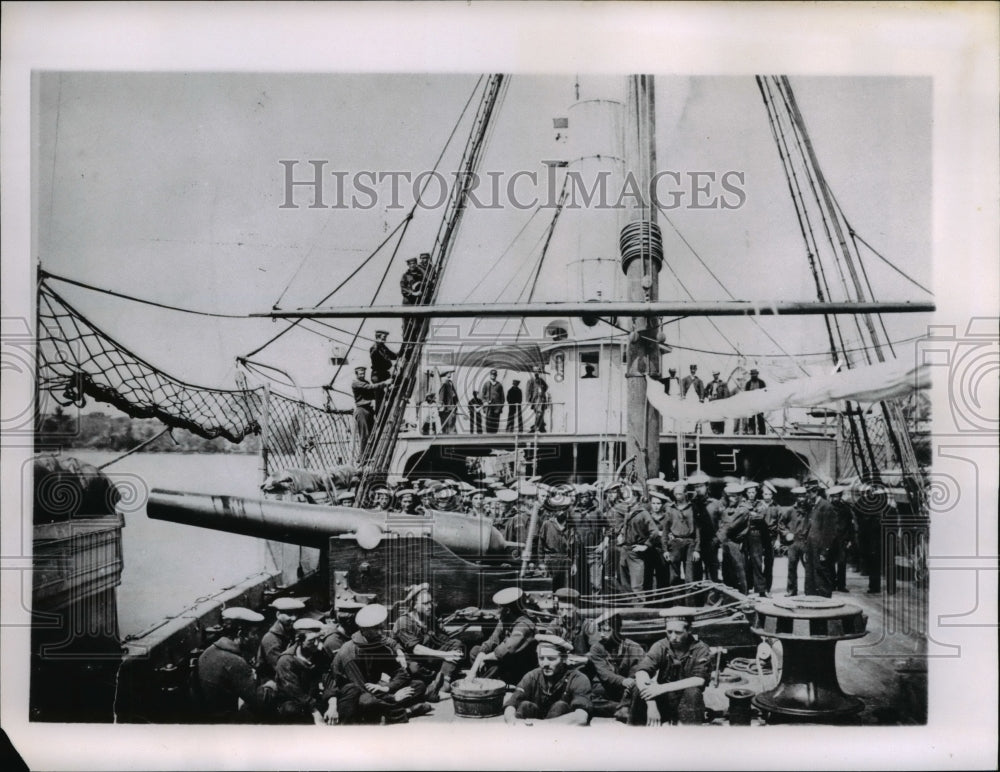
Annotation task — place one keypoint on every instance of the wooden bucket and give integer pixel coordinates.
(478, 697)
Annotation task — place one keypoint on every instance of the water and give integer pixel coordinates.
(168, 567)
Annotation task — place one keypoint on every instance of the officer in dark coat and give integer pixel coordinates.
(411, 282)
(475, 414)
(755, 424)
(493, 400)
(223, 673)
(821, 544)
(793, 526)
(448, 401)
(538, 396)
(716, 389)
(382, 359)
(692, 382)
(514, 398)
(365, 394)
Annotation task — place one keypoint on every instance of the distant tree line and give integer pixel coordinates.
(100, 431)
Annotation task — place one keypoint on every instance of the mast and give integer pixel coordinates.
(641, 256)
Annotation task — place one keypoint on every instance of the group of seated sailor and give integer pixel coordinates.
(355, 665)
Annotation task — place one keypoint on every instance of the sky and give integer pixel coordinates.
(169, 187)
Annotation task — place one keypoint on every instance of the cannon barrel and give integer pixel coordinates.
(313, 524)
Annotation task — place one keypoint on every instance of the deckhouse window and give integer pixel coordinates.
(590, 362)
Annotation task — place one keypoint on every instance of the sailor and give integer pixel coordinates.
(429, 416)
(538, 397)
(672, 384)
(794, 529)
(382, 357)
(614, 660)
(279, 637)
(445, 498)
(638, 535)
(411, 282)
(509, 652)
(682, 537)
(448, 400)
(408, 503)
(707, 515)
(556, 539)
(681, 665)
(657, 571)
(475, 413)
(757, 542)
(772, 514)
(693, 382)
(299, 674)
(339, 626)
(569, 624)
(431, 654)
(224, 676)
(845, 533)
(755, 424)
(874, 510)
(362, 697)
(716, 389)
(365, 394)
(550, 691)
(382, 499)
(493, 400)
(821, 544)
(514, 398)
(731, 533)
(477, 503)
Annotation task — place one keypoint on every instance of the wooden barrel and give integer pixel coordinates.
(478, 697)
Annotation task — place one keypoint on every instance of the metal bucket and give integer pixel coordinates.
(478, 697)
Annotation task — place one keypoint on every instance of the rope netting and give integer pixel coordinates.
(77, 360)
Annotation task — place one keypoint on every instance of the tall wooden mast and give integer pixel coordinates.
(641, 255)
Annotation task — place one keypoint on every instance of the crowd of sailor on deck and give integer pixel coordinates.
(369, 663)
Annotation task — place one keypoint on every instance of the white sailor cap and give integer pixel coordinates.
(506, 495)
(833, 490)
(657, 482)
(769, 486)
(240, 614)
(508, 596)
(699, 478)
(372, 615)
(678, 612)
(608, 616)
(527, 489)
(308, 627)
(733, 488)
(798, 490)
(659, 495)
(555, 641)
(287, 604)
(567, 593)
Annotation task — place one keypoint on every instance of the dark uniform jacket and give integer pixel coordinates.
(794, 520)
(716, 389)
(671, 666)
(614, 665)
(382, 358)
(538, 388)
(679, 523)
(298, 684)
(410, 283)
(492, 392)
(823, 526)
(514, 395)
(410, 630)
(734, 524)
(224, 676)
(570, 686)
(511, 639)
(364, 393)
(359, 662)
(272, 644)
(693, 382)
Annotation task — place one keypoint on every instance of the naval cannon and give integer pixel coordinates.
(465, 559)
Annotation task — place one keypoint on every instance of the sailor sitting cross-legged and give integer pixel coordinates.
(509, 652)
(551, 691)
(226, 688)
(670, 680)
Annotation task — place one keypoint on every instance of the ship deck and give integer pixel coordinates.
(886, 668)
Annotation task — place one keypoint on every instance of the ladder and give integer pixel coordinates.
(688, 454)
(376, 457)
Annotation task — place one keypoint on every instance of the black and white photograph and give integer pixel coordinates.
(377, 402)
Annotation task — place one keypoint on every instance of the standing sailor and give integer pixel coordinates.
(475, 413)
(672, 384)
(493, 400)
(448, 400)
(821, 545)
(732, 532)
(756, 422)
(794, 529)
(692, 382)
(365, 394)
(716, 389)
(538, 396)
(514, 397)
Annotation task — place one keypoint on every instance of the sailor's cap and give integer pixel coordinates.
(699, 478)
(382, 332)
(558, 502)
(567, 593)
(678, 612)
(608, 616)
(240, 614)
(415, 590)
(508, 596)
(345, 496)
(659, 495)
(769, 486)
(556, 642)
(798, 490)
(381, 489)
(411, 259)
(657, 482)
(310, 627)
(733, 488)
(813, 482)
(405, 492)
(444, 493)
(833, 490)
(750, 484)
(347, 606)
(425, 255)
(754, 371)
(287, 604)
(506, 495)
(527, 489)
(372, 615)
(680, 485)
